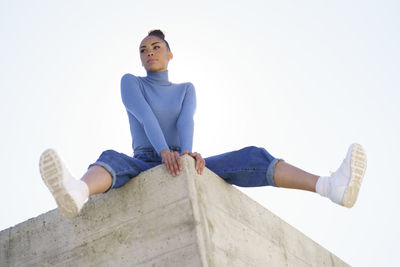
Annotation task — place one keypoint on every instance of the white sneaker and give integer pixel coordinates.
(342, 186)
(70, 194)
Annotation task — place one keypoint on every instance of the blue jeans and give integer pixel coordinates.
(248, 167)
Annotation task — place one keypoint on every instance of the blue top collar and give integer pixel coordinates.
(158, 77)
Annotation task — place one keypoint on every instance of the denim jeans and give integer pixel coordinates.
(248, 167)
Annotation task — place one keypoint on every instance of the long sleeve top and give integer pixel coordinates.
(160, 112)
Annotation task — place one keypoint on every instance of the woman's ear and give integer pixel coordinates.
(170, 55)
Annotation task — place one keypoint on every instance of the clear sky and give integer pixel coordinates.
(304, 79)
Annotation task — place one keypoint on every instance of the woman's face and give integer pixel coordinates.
(154, 54)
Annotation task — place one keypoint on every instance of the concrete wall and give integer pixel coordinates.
(159, 220)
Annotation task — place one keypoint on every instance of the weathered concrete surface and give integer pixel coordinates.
(159, 220)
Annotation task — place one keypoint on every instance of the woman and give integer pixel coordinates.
(161, 121)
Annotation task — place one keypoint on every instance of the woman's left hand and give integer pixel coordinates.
(200, 162)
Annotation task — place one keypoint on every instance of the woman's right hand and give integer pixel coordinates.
(172, 161)
(200, 162)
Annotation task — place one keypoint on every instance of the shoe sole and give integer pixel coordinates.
(358, 167)
(51, 170)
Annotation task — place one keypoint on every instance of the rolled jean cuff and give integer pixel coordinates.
(271, 171)
(109, 169)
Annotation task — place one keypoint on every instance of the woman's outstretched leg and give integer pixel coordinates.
(111, 170)
(341, 187)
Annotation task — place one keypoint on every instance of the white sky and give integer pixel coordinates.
(304, 79)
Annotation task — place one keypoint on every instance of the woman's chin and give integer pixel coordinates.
(155, 68)
(152, 69)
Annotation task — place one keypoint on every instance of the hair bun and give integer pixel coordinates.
(157, 33)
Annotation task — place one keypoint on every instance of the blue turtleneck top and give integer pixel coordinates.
(160, 112)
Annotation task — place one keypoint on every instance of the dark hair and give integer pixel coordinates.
(159, 34)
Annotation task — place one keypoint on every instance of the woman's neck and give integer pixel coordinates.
(158, 77)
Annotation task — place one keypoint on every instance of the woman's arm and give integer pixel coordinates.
(185, 122)
(137, 105)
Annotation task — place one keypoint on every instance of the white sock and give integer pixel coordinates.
(83, 189)
(323, 186)
(78, 189)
